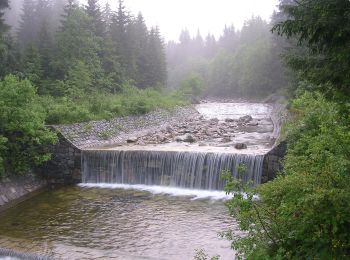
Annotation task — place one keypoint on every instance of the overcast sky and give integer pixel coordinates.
(206, 15)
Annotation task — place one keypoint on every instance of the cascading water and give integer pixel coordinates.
(192, 170)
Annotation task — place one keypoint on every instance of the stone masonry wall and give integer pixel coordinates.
(17, 189)
(65, 164)
(272, 163)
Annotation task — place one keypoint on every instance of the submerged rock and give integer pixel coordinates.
(240, 146)
(245, 119)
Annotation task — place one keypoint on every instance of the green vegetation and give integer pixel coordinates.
(22, 132)
(69, 63)
(305, 212)
(129, 101)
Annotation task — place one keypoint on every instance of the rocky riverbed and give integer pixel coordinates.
(233, 126)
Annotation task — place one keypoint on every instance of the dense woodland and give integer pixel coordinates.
(66, 63)
(305, 212)
(241, 63)
(71, 53)
(61, 62)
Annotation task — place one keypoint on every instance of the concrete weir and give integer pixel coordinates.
(148, 150)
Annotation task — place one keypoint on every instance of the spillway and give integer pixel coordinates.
(181, 169)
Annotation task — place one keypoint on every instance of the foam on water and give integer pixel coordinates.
(179, 192)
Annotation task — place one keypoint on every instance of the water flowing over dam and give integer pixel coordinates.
(150, 192)
(195, 170)
(196, 164)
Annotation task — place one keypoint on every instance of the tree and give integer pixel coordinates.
(78, 80)
(3, 27)
(304, 213)
(118, 31)
(28, 30)
(141, 39)
(93, 10)
(77, 42)
(323, 27)
(45, 49)
(157, 73)
(32, 69)
(22, 131)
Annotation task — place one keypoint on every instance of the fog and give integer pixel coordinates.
(172, 17)
(209, 16)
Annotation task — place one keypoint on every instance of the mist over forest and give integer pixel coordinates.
(69, 65)
(243, 63)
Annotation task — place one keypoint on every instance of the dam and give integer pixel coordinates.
(152, 193)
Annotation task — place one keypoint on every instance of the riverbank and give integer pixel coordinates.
(18, 189)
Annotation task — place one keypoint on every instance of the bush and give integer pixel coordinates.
(22, 131)
(305, 212)
(131, 101)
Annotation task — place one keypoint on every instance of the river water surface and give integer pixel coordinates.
(118, 223)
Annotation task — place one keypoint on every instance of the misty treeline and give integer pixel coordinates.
(242, 62)
(63, 47)
(61, 62)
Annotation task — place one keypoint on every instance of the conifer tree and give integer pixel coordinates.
(27, 32)
(157, 73)
(93, 10)
(3, 27)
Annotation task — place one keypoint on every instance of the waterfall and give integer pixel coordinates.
(193, 170)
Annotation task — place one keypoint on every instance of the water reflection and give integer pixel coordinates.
(87, 223)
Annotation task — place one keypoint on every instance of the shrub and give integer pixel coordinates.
(305, 212)
(22, 131)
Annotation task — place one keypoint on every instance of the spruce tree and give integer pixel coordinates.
(157, 73)
(142, 38)
(93, 10)
(3, 27)
(28, 30)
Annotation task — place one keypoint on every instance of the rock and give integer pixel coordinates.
(240, 146)
(226, 140)
(179, 138)
(185, 138)
(245, 119)
(253, 123)
(189, 139)
(169, 129)
(195, 100)
(214, 120)
(132, 140)
(202, 144)
(229, 120)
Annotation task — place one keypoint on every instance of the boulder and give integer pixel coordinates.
(253, 123)
(169, 129)
(132, 140)
(245, 119)
(240, 146)
(187, 138)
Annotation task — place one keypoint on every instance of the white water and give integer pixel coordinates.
(189, 170)
(178, 192)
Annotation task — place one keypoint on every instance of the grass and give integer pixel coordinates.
(131, 101)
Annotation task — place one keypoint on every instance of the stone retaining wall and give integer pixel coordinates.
(272, 164)
(65, 164)
(17, 189)
(117, 130)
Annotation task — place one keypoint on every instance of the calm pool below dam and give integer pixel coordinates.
(119, 222)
